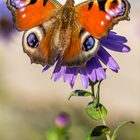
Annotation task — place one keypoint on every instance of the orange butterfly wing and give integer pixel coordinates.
(29, 15)
(99, 16)
(75, 54)
(96, 17)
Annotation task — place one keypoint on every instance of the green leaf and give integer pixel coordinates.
(115, 133)
(96, 113)
(99, 130)
(82, 93)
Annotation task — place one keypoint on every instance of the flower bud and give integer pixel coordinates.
(62, 120)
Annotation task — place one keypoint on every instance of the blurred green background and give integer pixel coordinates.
(29, 100)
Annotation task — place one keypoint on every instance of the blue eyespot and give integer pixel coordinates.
(18, 3)
(32, 40)
(88, 44)
(123, 9)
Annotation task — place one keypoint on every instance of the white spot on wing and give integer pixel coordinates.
(22, 10)
(102, 23)
(21, 4)
(107, 17)
(117, 10)
(24, 15)
(119, 6)
(111, 13)
(17, 2)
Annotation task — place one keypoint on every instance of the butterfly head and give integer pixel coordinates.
(69, 3)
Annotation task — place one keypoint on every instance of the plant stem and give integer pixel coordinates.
(104, 123)
(94, 97)
(93, 92)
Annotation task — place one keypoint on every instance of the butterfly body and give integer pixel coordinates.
(68, 33)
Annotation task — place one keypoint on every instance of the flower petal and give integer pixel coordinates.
(114, 46)
(73, 78)
(91, 71)
(46, 68)
(84, 77)
(58, 71)
(115, 37)
(70, 75)
(100, 72)
(107, 59)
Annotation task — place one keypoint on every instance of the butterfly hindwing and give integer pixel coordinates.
(30, 13)
(99, 16)
(93, 20)
(81, 48)
(39, 45)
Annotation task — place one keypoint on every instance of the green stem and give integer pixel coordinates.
(93, 92)
(104, 123)
(98, 96)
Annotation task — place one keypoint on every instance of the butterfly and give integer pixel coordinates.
(68, 32)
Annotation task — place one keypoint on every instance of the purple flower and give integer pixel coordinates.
(94, 70)
(6, 23)
(62, 120)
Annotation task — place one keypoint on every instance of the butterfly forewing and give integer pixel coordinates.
(30, 13)
(99, 16)
(39, 43)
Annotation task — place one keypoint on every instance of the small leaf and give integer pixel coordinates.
(115, 133)
(99, 130)
(82, 93)
(96, 113)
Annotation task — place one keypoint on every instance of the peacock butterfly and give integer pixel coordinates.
(68, 32)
